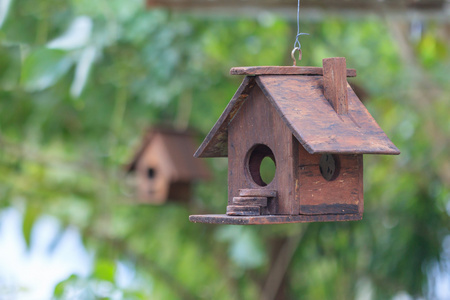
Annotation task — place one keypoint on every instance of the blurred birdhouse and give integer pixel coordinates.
(314, 128)
(163, 168)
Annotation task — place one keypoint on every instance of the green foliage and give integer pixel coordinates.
(72, 114)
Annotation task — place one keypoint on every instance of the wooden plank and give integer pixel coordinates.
(283, 70)
(257, 193)
(215, 143)
(235, 210)
(258, 123)
(315, 190)
(361, 184)
(326, 209)
(335, 83)
(271, 219)
(252, 201)
(300, 102)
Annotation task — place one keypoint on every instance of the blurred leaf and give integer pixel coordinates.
(43, 67)
(104, 270)
(4, 8)
(32, 213)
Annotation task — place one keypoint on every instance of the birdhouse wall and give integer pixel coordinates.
(258, 123)
(152, 174)
(342, 195)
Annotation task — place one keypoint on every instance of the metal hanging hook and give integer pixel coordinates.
(299, 55)
(297, 45)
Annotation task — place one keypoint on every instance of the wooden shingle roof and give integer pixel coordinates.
(301, 104)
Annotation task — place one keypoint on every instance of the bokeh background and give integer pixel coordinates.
(81, 80)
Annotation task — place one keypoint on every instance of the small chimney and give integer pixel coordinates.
(335, 83)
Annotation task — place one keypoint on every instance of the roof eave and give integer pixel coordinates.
(216, 142)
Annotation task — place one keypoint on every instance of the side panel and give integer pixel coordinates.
(257, 122)
(343, 195)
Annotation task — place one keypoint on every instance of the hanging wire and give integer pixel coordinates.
(297, 45)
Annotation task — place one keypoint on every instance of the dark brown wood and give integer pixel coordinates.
(215, 143)
(238, 210)
(335, 83)
(327, 209)
(258, 123)
(257, 193)
(283, 70)
(255, 201)
(315, 143)
(361, 185)
(315, 190)
(271, 219)
(300, 102)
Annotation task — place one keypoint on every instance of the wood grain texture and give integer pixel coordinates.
(283, 70)
(252, 201)
(271, 219)
(300, 102)
(215, 143)
(258, 123)
(238, 210)
(315, 190)
(335, 83)
(257, 193)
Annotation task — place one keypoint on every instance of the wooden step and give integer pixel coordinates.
(235, 210)
(257, 193)
(252, 201)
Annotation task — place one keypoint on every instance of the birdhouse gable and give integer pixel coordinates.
(300, 101)
(164, 168)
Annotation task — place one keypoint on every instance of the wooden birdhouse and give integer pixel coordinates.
(163, 167)
(312, 125)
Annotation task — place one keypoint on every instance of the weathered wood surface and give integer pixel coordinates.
(283, 70)
(256, 123)
(300, 102)
(238, 210)
(319, 196)
(252, 201)
(271, 219)
(329, 209)
(335, 83)
(257, 193)
(215, 143)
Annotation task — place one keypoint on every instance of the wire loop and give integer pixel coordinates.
(297, 45)
(299, 55)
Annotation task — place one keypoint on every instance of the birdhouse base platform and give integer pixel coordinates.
(271, 219)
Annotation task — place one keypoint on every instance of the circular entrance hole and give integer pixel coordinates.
(329, 167)
(261, 164)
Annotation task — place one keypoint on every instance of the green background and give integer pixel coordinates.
(71, 118)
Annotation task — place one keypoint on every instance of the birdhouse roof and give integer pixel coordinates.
(179, 147)
(297, 95)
